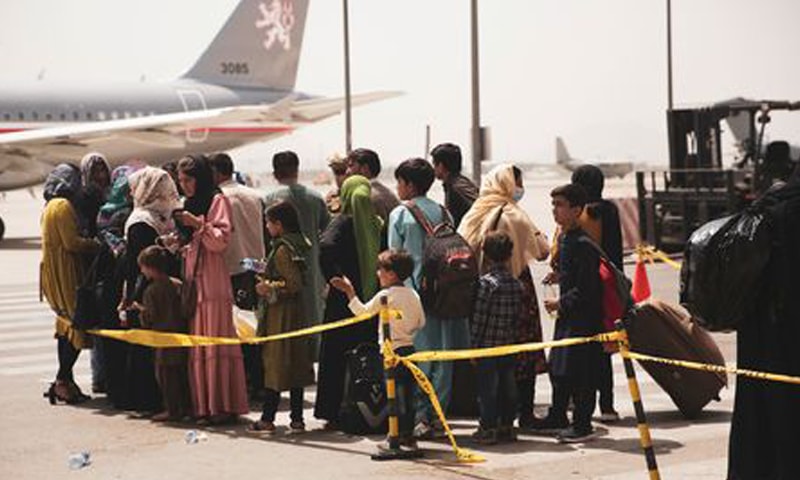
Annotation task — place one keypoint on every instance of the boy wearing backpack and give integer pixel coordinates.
(394, 267)
(410, 226)
(574, 370)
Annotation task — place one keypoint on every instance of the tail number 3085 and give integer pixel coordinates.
(234, 68)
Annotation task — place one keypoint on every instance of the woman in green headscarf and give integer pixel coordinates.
(348, 247)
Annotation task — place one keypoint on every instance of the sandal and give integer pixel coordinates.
(76, 395)
(262, 426)
(162, 417)
(66, 392)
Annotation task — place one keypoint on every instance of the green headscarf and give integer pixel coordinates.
(355, 195)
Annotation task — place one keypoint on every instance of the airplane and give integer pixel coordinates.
(240, 90)
(609, 169)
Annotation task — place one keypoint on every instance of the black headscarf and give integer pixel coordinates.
(198, 167)
(591, 179)
(63, 182)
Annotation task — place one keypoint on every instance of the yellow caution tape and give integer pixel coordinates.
(775, 377)
(468, 354)
(651, 253)
(155, 339)
(462, 454)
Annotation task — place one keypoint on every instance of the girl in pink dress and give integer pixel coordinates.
(216, 373)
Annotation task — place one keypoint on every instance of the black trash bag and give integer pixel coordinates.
(723, 264)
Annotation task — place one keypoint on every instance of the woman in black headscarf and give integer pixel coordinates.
(62, 271)
(216, 373)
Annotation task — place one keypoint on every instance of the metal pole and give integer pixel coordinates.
(427, 141)
(392, 450)
(669, 55)
(476, 108)
(348, 120)
(641, 419)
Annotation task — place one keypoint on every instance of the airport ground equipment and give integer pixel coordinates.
(697, 187)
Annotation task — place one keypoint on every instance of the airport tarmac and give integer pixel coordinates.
(37, 438)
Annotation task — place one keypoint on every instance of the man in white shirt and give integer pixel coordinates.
(247, 241)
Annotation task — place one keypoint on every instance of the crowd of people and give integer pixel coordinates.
(166, 245)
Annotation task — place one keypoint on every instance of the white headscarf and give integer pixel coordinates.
(497, 192)
(154, 199)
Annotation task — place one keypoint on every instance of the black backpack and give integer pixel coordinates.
(364, 408)
(449, 268)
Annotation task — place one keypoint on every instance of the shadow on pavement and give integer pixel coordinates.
(669, 419)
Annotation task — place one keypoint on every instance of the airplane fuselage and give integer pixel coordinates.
(47, 105)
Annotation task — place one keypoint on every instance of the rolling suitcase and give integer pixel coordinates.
(663, 330)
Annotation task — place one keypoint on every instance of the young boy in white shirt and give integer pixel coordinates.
(394, 266)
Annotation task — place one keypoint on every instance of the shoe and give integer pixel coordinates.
(223, 419)
(64, 391)
(608, 417)
(548, 425)
(408, 444)
(423, 431)
(297, 427)
(331, 426)
(575, 435)
(485, 436)
(507, 434)
(161, 417)
(526, 422)
(262, 426)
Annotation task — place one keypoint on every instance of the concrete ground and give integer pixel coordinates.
(37, 438)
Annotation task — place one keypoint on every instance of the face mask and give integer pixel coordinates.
(518, 193)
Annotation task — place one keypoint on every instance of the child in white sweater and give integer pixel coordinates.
(394, 266)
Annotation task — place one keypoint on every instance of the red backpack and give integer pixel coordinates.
(617, 300)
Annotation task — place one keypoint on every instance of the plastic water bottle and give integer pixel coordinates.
(76, 461)
(254, 265)
(193, 436)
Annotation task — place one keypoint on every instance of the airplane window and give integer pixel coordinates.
(101, 115)
(88, 115)
(75, 116)
(127, 114)
(114, 115)
(63, 116)
(35, 115)
(7, 116)
(21, 116)
(139, 114)
(152, 113)
(48, 117)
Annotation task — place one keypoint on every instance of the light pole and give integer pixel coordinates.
(348, 120)
(477, 147)
(669, 55)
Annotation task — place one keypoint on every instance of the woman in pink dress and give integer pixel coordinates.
(216, 373)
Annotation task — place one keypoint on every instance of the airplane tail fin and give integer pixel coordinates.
(259, 46)
(562, 155)
(740, 126)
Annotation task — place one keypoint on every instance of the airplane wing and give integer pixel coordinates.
(156, 128)
(26, 156)
(317, 109)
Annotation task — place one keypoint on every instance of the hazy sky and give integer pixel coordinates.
(591, 71)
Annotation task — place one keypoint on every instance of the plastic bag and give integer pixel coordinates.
(723, 264)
